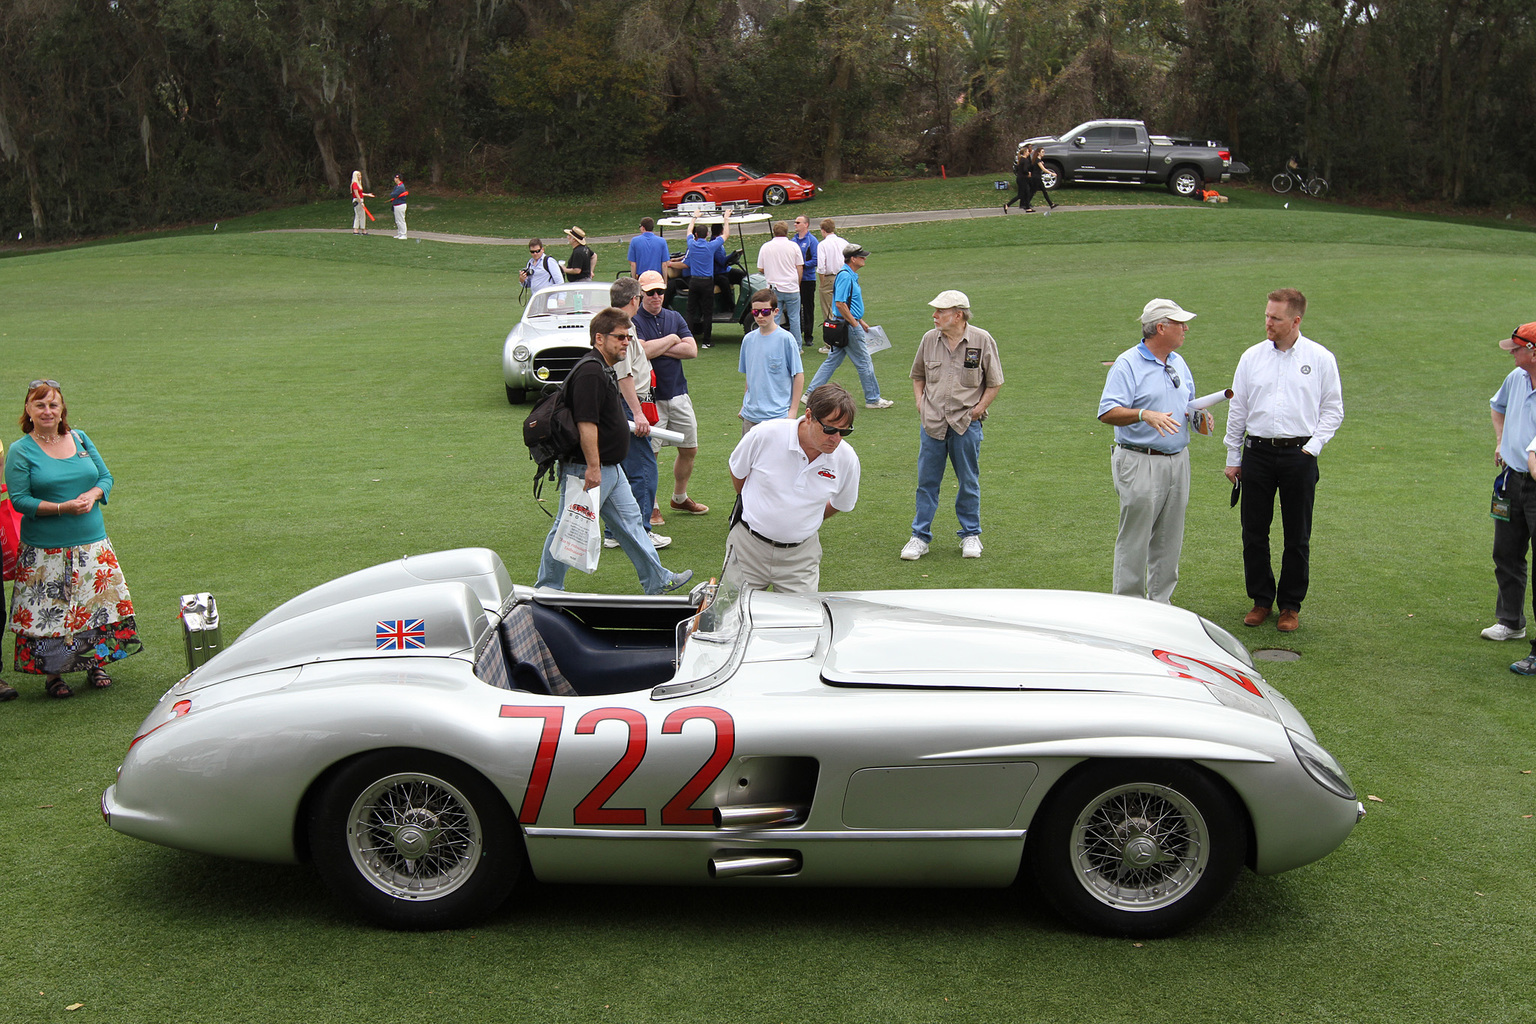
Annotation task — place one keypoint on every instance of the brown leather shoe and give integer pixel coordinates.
(656, 519)
(1289, 621)
(1257, 616)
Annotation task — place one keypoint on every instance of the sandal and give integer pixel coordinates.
(58, 688)
(97, 677)
(7, 692)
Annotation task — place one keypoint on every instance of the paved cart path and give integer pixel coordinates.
(853, 221)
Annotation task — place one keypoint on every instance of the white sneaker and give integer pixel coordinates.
(610, 542)
(1499, 631)
(916, 548)
(970, 547)
(659, 541)
(879, 403)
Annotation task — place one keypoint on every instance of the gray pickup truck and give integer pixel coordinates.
(1122, 152)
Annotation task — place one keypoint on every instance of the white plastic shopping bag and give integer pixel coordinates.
(578, 539)
(875, 340)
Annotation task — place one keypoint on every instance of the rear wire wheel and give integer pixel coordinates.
(1137, 848)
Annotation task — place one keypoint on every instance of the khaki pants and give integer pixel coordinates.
(824, 285)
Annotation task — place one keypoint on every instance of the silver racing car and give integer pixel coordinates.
(424, 731)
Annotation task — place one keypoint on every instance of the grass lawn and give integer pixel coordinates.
(279, 409)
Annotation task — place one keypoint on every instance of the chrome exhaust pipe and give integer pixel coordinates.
(748, 815)
(734, 865)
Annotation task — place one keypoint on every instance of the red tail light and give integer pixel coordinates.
(178, 709)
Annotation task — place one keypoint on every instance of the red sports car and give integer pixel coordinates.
(728, 183)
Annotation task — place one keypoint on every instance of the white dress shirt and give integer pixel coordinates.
(1294, 393)
(829, 255)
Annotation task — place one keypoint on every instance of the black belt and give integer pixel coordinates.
(1145, 451)
(1277, 442)
(770, 540)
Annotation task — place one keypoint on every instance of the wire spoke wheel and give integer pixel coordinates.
(1139, 846)
(414, 837)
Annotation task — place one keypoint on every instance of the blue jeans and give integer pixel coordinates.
(640, 470)
(789, 312)
(621, 515)
(963, 451)
(856, 351)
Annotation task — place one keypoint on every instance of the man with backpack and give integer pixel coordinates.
(592, 395)
(541, 271)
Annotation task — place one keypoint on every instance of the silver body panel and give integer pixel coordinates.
(901, 737)
(551, 325)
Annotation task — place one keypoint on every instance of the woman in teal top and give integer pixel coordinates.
(70, 607)
(6, 692)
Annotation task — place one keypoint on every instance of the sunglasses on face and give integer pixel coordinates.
(535, 252)
(829, 431)
(762, 311)
(621, 337)
(655, 291)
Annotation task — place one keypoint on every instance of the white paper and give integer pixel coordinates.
(875, 340)
(1210, 400)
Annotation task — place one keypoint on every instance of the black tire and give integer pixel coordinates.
(693, 197)
(1137, 848)
(515, 396)
(415, 840)
(774, 195)
(1052, 176)
(1185, 181)
(1317, 188)
(1281, 183)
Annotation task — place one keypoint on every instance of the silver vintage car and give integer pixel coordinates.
(424, 731)
(550, 337)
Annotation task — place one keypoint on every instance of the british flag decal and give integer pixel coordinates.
(400, 635)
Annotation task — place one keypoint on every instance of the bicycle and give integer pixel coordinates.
(1288, 178)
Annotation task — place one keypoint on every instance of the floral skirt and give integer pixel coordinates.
(70, 609)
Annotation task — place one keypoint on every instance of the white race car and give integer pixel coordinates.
(424, 731)
(550, 337)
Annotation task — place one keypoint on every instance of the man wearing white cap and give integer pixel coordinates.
(955, 376)
(1286, 404)
(1146, 399)
(1513, 409)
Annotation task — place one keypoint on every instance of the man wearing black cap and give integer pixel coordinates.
(1513, 409)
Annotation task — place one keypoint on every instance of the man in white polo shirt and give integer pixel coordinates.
(790, 475)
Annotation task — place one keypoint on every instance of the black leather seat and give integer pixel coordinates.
(604, 661)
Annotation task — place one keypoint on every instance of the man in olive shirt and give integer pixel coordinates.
(955, 376)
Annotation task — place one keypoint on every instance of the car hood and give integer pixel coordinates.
(1031, 640)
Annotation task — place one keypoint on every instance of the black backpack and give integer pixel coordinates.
(551, 435)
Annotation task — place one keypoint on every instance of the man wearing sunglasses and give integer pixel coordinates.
(770, 359)
(541, 271)
(593, 396)
(1146, 399)
(790, 476)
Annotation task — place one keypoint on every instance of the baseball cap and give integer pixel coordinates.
(1523, 336)
(1164, 309)
(949, 299)
(650, 279)
(849, 252)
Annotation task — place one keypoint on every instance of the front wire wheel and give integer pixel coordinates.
(1316, 188)
(1137, 848)
(415, 840)
(1281, 183)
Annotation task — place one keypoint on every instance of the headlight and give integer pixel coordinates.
(1227, 642)
(1321, 765)
(521, 354)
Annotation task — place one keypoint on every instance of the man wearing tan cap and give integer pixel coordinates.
(583, 262)
(1146, 399)
(955, 376)
(1513, 409)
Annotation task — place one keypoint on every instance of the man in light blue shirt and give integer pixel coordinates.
(647, 251)
(1513, 409)
(848, 297)
(1146, 399)
(770, 358)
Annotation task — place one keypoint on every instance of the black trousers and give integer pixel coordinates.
(1018, 187)
(1511, 541)
(807, 310)
(701, 308)
(1291, 474)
